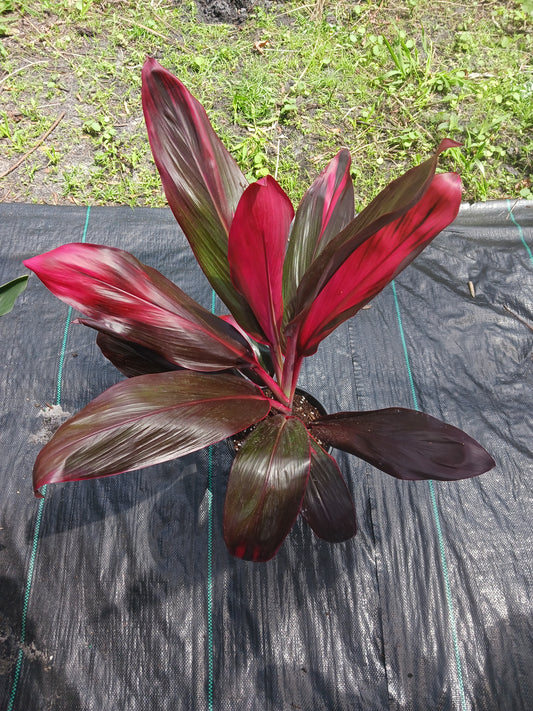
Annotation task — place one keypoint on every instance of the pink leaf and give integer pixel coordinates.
(257, 245)
(126, 298)
(391, 203)
(379, 259)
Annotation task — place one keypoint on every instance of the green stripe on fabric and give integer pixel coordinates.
(440, 536)
(67, 324)
(210, 683)
(18, 665)
(36, 531)
(520, 230)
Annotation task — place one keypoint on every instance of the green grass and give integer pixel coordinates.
(385, 80)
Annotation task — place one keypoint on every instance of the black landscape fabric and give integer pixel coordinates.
(119, 595)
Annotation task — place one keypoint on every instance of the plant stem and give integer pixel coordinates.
(285, 409)
(288, 375)
(295, 375)
(273, 386)
(277, 360)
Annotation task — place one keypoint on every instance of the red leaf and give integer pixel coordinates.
(257, 245)
(327, 506)
(148, 420)
(202, 182)
(326, 208)
(405, 443)
(128, 299)
(379, 259)
(391, 203)
(265, 488)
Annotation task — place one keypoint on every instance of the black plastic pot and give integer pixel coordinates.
(236, 441)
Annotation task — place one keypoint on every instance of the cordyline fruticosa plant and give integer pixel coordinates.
(288, 280)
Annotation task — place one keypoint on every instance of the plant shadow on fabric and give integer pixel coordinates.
(45, 681)
(288, 280)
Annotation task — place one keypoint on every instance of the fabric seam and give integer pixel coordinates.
(37, 528)
(361, 402)
(520, 230)
(210, 681)
(436, 515)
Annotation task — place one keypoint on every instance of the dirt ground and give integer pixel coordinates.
(231, 11)
(51, 102)
(45, 185)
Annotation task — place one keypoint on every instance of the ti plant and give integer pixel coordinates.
(288, 280)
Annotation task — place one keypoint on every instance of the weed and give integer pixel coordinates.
(251, 154)
(53, 156)
(253, 102)
(100, 128)
(5, 131)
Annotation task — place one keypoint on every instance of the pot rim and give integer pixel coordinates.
(311, 399)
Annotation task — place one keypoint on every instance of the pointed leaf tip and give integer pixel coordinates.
(325, 210)
(447, 143)
(10, 292)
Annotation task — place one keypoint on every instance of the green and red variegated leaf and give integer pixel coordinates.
(131, 358)
(257, 245)
(379, 259)
(326, 208)
(123, 297)
(394, 201)
(202, 182)
(265, 487)
(406, 444)
(328, 506)
(148, 420)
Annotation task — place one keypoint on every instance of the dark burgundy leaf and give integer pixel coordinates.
(265, 488)
(202, 182)
(405, 443)
(131, 358)
(128, 299)
(327, 506)
(391, 203)
(257, 246)
(326, 208)
(379, 259)
(148, 420)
